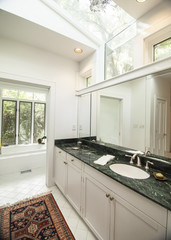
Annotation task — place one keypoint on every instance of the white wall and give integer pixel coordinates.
(154, 27)
(27, 64)
(157, 15)
(86, 68)
(24, 60)
(138, 111)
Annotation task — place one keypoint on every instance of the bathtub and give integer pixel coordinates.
(22, 158)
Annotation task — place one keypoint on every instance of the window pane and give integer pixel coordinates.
(40, 96)
(88, 81)
(102, 18)
(39, 120)
(25, 123)
(162, 49)
(8, 122)
(9, 93)
(25, 95)
(120, 52)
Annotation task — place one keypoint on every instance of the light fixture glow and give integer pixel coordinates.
(140, 1)
(78, 50)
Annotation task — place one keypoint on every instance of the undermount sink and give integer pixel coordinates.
(129, 171)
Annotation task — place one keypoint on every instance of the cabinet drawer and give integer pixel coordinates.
(60, 153)
(74, 161)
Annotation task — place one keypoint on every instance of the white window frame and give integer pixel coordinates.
(152, 40)
(28, 89)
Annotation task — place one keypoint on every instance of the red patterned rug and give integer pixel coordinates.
(35, 219)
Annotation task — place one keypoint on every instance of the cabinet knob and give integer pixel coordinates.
(111, 198)
(65, 163)
(59, 151)
(72, 160)
(107, 195)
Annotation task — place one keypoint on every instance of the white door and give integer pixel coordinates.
(132, 224)
(60, 169)
(110, 120)
(74, 186)
(97, 208)
(160, 126)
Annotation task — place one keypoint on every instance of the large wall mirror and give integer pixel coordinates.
(84, 115)
(134, 114)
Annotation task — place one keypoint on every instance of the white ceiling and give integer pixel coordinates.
(22, 30)
(19, 29)
(135, 9)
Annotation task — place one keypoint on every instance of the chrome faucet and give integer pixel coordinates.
(147, 163)
(136, 155)
(147, 153)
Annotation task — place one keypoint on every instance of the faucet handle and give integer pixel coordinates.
(131, 160)
(138, 161)
(146, 166)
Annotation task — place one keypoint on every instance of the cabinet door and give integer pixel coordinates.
(169, 226)
(132, 224)
(73, 191)
(60, 172)
(96, 207)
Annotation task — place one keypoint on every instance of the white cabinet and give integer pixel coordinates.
(74, 182)
(68, 177)
(96, 207)
(131, 223)
(60, 169)
(110, 209)
(113, 218)
(169, 226)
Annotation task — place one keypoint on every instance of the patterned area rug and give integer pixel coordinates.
(38, 218)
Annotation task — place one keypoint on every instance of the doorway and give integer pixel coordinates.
(110, 120)
(160, 126)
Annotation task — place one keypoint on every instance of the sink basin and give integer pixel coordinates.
(129, 171)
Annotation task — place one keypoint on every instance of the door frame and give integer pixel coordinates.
(120, 114)
(155, 139)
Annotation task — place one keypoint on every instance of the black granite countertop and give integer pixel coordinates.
(156, 190)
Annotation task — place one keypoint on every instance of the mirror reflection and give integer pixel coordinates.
(134, 114)
(84, 115)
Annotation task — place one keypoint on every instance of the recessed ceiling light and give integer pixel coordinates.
(78, 50)
(140, 1)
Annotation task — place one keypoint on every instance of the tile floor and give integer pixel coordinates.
(15, 187)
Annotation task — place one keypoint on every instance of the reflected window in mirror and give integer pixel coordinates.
(88, 81)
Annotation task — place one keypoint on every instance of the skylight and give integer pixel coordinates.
(102, 18)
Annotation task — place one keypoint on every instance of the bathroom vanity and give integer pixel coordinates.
(113, 206)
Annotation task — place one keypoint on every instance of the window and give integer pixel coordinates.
(162, 50)
(25, 112)
(88, 81)
(23, 116)
(95, 16)
(120, 52)
(8, 122)
(39, 120)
